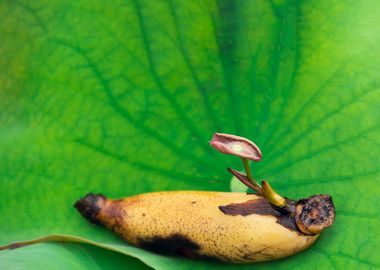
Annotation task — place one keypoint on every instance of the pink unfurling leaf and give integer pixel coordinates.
(236, 145)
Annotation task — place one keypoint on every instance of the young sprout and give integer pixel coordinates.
(246, 150)
(243, 148)
(272, 195)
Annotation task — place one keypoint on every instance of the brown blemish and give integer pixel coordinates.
(99, 210)
(212, 258)
(114, 209)
(171, 245)
(89, 206)
(261, 206)
(112, 216)
(176, 244)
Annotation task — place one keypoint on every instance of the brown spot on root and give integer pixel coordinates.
(314, 214)
(261, 206)
(89, 206)
(113, 216)
(212, 258)
(176, 244)
(171, 245)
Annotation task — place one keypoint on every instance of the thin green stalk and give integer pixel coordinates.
(248, 172)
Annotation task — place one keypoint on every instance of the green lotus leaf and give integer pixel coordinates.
(122, 98)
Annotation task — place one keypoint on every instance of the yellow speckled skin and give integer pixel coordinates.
(195, 216)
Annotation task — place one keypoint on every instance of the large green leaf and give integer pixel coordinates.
(66, 256)
(122, 98)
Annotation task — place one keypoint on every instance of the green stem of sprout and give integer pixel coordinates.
(266, 190)
(248, 172)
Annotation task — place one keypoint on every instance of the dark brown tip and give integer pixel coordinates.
(315, 214)
(90, 206)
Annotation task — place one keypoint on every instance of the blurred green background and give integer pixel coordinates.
(122, 98)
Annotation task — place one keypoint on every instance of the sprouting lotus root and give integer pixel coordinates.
(233, 227)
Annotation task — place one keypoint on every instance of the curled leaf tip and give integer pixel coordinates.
(236, 145)
(245, 180)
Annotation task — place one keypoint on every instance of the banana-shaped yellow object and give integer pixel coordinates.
(231, 227)
(227, 226)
